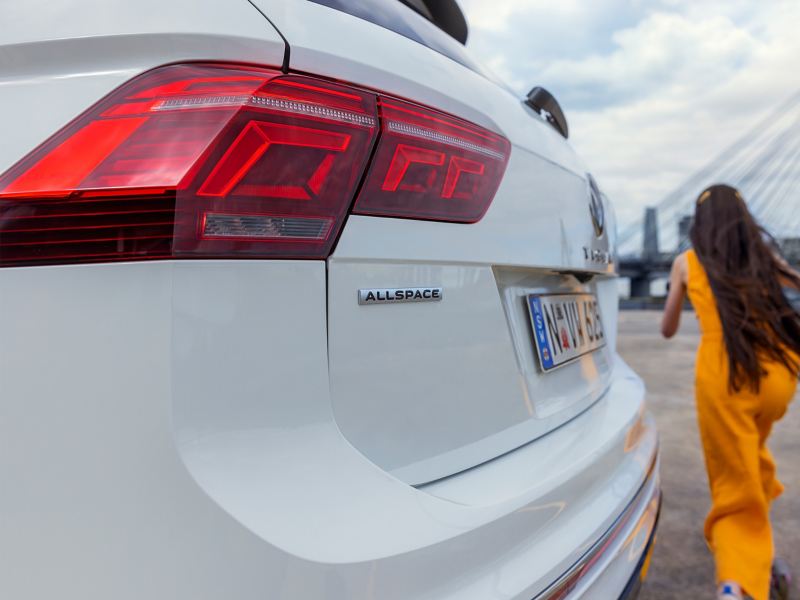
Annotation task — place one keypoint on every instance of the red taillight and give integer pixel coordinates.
(431, 166)
(189, 160)
(227, 161)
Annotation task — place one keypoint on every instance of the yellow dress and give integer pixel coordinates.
(734, 427)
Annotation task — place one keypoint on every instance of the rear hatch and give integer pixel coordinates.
(428, 389)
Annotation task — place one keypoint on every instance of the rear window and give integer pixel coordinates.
(397, 17)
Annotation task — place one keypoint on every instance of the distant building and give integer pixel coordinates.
(791, 249)
(684, 227)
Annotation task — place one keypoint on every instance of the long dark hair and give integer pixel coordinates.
(747, 278)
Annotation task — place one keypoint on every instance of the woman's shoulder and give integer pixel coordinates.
(684, 258)
(682, 264)
(694, 273)
(688, 258)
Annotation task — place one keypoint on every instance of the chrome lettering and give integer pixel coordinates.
(390, 295)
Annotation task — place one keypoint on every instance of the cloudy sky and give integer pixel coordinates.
(652, 89)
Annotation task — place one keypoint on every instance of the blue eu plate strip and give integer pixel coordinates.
(545, 352)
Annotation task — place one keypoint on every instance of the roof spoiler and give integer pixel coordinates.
(445, 14)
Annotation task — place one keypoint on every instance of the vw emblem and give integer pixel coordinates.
(596, 207)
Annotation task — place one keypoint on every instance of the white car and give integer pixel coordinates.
(297, 302)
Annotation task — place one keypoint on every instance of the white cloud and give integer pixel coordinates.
(491, 16)
(653, 89)
(664, 52)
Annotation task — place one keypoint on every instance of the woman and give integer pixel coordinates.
(746, 374)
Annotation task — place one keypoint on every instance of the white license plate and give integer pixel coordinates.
(565, 327)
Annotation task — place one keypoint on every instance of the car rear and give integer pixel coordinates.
(297, 302)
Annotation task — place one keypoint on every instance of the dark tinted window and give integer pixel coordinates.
(396, 16)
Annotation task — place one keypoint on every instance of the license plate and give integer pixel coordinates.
(565, 326)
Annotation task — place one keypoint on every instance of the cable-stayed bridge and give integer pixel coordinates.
(764, 164)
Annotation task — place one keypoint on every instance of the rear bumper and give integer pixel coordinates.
(621, 555)
(631, 591)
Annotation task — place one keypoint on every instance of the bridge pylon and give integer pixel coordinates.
(640, 281)
(650, 238)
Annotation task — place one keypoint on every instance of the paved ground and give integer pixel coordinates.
(682, 567)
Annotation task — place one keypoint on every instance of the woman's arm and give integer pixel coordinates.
(678, 277)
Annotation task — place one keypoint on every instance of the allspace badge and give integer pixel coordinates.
(395, 295)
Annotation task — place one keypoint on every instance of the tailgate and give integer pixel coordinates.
(427, 389)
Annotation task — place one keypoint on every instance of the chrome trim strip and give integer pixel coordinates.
(564, 585)
(429, 134)
(634, 585)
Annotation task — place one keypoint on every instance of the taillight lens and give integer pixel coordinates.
(429, 165)
(203, 160)
(208, 160)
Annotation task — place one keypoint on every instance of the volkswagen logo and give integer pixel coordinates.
(596, 207)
